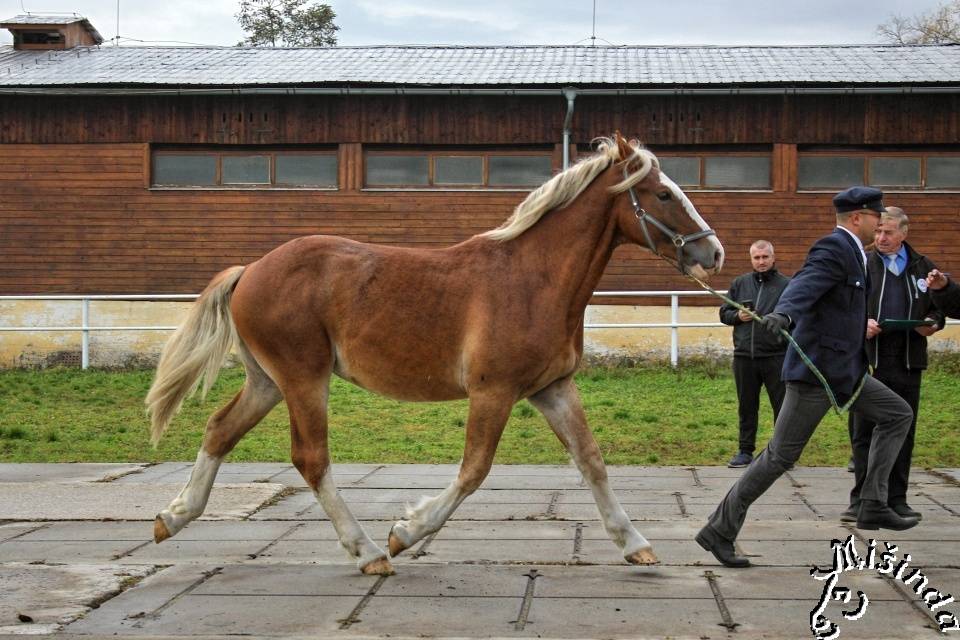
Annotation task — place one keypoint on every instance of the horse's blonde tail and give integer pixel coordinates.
(194, 352)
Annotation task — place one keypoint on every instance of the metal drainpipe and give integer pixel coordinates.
(571, 95)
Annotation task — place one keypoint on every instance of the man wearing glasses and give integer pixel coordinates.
(825, 307)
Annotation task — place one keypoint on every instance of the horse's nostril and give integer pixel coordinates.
(717, 257)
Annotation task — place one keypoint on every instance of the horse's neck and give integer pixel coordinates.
(571, 247)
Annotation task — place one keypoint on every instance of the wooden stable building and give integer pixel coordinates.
(149, 169)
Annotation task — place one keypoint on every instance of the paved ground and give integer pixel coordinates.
(524, 557)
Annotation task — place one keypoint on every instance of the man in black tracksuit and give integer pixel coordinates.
(757, 352)
(898, 355)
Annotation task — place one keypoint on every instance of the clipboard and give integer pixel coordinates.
(889, 324)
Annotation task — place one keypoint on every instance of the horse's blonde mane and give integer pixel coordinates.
(563, 188)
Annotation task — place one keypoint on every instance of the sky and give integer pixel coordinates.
(505, 22)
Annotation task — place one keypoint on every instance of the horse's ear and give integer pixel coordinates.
(626, 151)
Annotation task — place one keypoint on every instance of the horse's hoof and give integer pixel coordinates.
(395, 545)
(378, 567)
(160, 531)
(644, 557)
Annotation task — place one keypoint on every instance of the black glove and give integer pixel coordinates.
(773, 322)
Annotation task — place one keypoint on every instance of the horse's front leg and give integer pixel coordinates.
(488, 416)
(560, 405)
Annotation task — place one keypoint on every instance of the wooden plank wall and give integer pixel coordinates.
(655, 120)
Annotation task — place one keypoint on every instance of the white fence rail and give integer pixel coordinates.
(85, 326)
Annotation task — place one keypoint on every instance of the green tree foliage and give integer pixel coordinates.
(287, 23)
(939, 26)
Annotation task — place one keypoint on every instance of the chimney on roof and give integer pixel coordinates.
(45, 32)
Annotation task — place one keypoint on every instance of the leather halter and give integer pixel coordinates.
(678, 239)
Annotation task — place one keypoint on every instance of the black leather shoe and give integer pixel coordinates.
(721, 549)
(850, 515)
(876, 515)
(904, 511)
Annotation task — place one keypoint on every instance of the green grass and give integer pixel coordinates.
(642, 415)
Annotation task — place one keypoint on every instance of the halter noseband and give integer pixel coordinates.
(679, 240)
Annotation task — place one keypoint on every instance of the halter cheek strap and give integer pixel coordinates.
(678, 239)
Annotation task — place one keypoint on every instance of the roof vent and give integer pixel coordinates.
(31, 31)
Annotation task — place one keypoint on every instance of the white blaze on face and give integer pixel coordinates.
(694, 215)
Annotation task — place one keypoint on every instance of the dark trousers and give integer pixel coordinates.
(906, 384)
(750, 375)
(804, 405)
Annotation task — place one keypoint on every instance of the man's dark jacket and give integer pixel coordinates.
(826, 301)
(751, 339)
(919, 303)
(948, 299)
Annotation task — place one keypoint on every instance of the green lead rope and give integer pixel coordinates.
(833, 399)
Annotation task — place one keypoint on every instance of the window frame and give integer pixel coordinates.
(434, 152)
(866, 155)
(220, 152)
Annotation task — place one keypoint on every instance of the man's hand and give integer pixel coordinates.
(927, 330)
(873, 328)
(744, 316)
(936, 280)
(774, 322)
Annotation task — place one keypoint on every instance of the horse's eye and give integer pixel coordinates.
(663, 196)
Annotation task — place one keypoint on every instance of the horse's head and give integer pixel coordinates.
(653, 212)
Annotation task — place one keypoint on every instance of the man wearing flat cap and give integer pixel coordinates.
(825, 307)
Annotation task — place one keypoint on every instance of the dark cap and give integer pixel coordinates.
(856, 198)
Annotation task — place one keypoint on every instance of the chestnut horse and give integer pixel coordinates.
(496, 319)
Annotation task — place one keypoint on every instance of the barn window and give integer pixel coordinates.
(742, 172)
(460, 169)
(943, 172)
(240, 168)
(683, 170)
(829, 171)
(716, 169)
(890, 170)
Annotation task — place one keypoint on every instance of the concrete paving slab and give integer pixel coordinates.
(624, 618)
(622, 582)
(17, 530)
(439, 581)
(796, 583)
(43, 598)
(157, 473)
(175, 551)
(793, 512)
(62, 552)
(84, 531)
(673, 553)
(99, 501)
(791, 619)
(449, 616)
(319, 552)
(288, 580)
(127, 613)
(69, 472)
(498, 551)
(636, 512)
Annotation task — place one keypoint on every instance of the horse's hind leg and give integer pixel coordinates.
(308, 432)
(488, 416)
(224, 429)
(560, 405)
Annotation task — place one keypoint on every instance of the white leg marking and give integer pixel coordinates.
(192, 499)
(564, 418)
(429, 515)
(352, 536)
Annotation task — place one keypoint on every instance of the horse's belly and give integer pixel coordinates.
(395, 381)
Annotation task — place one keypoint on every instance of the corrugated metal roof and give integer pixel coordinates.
(456, 66)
